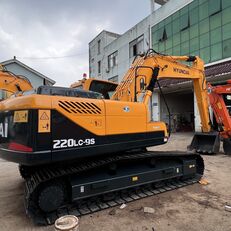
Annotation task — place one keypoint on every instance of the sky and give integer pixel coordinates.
(52, 36)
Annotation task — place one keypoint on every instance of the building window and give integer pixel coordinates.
(214, 6)
(194, 44)
(176, 39)
(203, 11)
(227, 48)
(226, 31)
(205, 54)
(226, 17)
(99, 46)
(184, 47)
(99, 67)
(160, 34)
(203, 28)
(194, 16)
(112, 60)
(114, 79)
(194, 31)
(176, 26)
(216, 35)
(216, 52)
(215, 21)
(226, 3)
(136, 46)
(204, 40)
(184, 22)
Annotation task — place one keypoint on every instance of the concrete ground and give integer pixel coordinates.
(194, 207)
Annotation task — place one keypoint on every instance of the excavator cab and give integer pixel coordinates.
(106, 88)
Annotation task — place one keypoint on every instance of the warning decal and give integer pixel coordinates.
(44, 116)
(44, 121)
(21, 116)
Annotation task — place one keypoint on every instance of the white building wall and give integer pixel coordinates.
(156, 106)
(122, 46)
(105, 38)
(197, 119)
(111, 42)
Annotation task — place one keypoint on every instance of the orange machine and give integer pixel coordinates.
(220, 101)
(13, 83)
(73, 145)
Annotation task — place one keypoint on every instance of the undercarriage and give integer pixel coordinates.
(83, 188)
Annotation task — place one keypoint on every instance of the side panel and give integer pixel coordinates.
(87, 113)
(71, 141)
(157, 126)
(125, 117)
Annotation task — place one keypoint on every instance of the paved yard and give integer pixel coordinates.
(192, 208)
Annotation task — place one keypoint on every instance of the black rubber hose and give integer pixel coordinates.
(166, 104)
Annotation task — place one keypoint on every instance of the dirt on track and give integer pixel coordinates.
(191, 208)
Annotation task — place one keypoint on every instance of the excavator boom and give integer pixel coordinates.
(145, 72)
(13, 83)
(148, 69)
(219, 97)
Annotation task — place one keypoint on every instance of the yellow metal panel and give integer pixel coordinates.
(27, 102)
(94, 123)
(44, 121)
(157, 126)
(125, 117)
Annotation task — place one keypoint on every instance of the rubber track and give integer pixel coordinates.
(95, 204)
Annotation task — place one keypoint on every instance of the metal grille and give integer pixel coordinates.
(80, 107)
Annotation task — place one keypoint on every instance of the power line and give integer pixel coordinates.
(54, 57)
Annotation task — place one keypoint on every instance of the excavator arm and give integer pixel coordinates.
(141, 80)
(146, 70)
(13, 83)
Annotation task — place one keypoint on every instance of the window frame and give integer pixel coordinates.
(99, 67)
(133, 46)
(112, 60)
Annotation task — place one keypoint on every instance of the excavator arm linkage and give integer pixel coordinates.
(142, 77)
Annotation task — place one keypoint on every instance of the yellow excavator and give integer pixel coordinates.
(12, 83)
(80, 153)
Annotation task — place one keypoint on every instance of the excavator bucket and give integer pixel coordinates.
(205, 143)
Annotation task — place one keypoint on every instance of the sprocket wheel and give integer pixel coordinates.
(51, 196)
